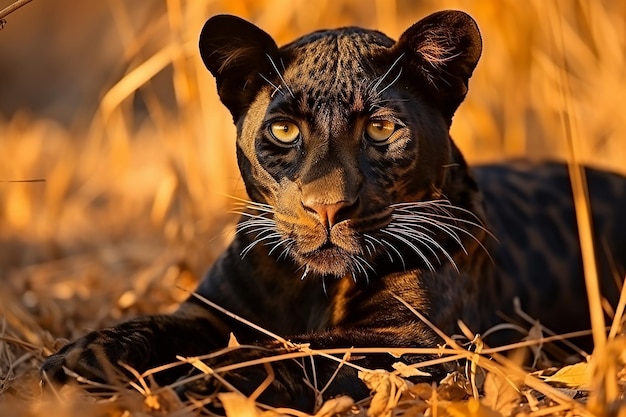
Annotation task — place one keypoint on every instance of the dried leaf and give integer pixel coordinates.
(387, 389)
(335, 406)
(454, 387)
(423, 391)
(531, 399)
(573, 376)
(397, 353)
(237, 405)
(408, 371)
(449, 392)
(572, 393)
(232, 341)
(196, 363)
(168, 400)
(500, 394)
(152, 402)
(470, 408)
(416, 409)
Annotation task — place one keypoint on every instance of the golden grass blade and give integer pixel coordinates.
(616, 325)
(241, 319)
(605, 382)
(33, 180)
(140, 75)
(580, 192)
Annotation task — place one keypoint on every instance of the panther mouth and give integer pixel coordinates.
(332, 260)
(327, 260)
(347, 249)
(344, 250)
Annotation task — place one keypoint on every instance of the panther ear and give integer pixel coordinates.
(444, 49)
(236, 52)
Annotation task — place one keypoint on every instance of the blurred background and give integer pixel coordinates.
(108, 113)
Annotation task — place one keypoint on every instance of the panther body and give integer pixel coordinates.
(361, 205)
(530, 209)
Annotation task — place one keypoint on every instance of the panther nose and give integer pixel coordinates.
(330, 214)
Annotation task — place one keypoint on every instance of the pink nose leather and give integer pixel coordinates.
(327, 214)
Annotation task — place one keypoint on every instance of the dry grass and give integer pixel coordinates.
(135, 199)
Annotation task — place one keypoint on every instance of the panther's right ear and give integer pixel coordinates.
(443, 49)
(236, 52)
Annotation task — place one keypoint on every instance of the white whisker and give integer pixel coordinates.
(421, 222)
(392, 82)
(280, 75)
(389, 245)
(276, 88)
(419, 226)
(411, 246)
(382, 77)
(263, 236)
(306, 272)
(431, 233)
(429, 243)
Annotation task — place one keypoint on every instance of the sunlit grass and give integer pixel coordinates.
(137, 203)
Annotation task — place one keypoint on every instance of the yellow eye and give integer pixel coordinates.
(285, 132)
(380, 130)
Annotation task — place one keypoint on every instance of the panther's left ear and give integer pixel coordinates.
(236, 52)
(444, 49)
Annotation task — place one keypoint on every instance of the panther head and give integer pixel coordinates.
(343, 139)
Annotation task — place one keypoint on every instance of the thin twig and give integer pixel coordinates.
(35, 180)
(13, 7)
(239, 318)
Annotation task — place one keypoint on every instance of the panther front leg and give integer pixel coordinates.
(141, 344)
(299, 382)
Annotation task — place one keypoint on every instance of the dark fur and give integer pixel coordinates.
(323, 261)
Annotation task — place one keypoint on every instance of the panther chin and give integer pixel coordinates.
(329, 260)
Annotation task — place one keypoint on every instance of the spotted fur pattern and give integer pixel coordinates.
(361, 206)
